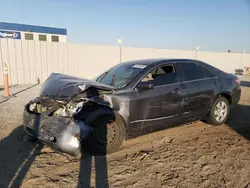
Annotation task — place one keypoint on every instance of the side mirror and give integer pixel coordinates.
(145, 86)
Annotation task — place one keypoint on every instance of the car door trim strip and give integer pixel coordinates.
(155, 119)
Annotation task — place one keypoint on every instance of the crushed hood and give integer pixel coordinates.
(65, 86)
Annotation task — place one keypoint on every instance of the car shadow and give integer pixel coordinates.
(239, 120)
(100, 170)
(16, 157)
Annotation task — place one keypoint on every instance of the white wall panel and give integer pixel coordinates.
(49, 57)
(38, 60)
(70, 59)
(19, 61)
(78, 59)
(63, 57)
(44, 61)
(1, 65)
(29, 60)
(32, 62)
(54, 54)
(5, 58)
(12, 62)
(26, 61)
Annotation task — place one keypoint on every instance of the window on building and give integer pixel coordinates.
(55, 38)
(193, 71)
(29, 36)
(161, 75)
(42, 37)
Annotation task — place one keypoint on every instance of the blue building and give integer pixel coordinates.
(32, 32)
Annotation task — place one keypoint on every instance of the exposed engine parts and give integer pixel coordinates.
(55, 107)
(54, 121)
(70, 109)
(41, 105)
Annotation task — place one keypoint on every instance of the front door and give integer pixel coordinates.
(156, 108)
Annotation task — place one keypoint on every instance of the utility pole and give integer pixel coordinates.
(241, 58)
(120, 45)
(197, 49)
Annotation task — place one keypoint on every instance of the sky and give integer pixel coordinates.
(213, 25)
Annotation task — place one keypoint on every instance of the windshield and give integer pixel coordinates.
(120, 75)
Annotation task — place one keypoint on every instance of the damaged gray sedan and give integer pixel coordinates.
(130, 99)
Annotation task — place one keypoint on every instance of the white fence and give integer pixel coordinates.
(29, 61)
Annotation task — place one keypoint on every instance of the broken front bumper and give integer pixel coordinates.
(64, 134)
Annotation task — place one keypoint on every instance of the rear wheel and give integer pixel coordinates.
(108, 135)
(219, 111)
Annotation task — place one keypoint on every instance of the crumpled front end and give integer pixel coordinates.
(57, 123)
(57, 116)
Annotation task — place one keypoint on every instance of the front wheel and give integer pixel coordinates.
(219, 111)
(108, 135)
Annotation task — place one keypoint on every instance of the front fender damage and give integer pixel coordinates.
(63, 134)
(60, 123)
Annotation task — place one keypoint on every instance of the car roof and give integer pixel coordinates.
(150, 63)
(156, 61)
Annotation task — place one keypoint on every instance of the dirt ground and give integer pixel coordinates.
(193, 155)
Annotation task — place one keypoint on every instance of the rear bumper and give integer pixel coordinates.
(61, 133)
(236, 94)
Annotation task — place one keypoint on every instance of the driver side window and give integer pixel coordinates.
(162, 75)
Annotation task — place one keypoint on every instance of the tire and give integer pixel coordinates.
(219, 111)
(108, 135)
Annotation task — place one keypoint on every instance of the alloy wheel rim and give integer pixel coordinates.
(220, 111)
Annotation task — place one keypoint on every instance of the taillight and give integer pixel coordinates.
(237, 81)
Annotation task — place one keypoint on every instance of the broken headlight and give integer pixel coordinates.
(70, 109)
(37, 108)
(32, 107)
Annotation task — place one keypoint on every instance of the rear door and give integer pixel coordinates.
(199, 87)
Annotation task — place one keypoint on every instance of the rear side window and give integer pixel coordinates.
(193, 71)
(161, 75)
